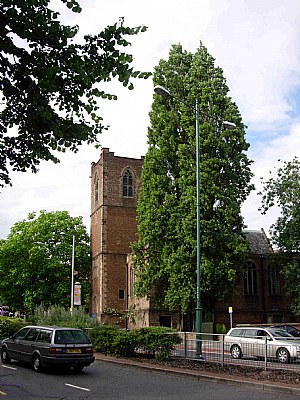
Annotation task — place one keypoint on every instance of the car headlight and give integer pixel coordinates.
(298, 348)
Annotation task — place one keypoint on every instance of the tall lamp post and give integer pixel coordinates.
(198, 311)
(72, 275)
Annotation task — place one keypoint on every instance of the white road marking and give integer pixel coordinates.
(77, 387)
(6, 366)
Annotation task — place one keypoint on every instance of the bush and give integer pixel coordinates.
(159, 341)
(125, 343)
(9, 326)
(221, 329)
(102, 337)
(56, 315)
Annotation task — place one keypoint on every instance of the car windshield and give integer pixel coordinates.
(71, 336)
(280, 333)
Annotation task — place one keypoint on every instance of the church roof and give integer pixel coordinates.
(259, 242)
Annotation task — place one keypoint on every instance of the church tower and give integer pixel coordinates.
(115, 185)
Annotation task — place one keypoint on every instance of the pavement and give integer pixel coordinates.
(201, 375)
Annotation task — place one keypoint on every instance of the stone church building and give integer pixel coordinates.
(115, 184)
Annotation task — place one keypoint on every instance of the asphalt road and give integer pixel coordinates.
(113, 382)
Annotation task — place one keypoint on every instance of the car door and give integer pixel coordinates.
(28, 344)
(261, 343)
(44, 341)
(14, 345)
(248, 342)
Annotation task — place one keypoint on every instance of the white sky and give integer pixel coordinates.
(256, 43)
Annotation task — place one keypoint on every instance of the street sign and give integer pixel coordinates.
(77, 294)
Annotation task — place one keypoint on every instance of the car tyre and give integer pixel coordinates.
(283, 355)
(5, 356)
(236, 351)
(36, 363)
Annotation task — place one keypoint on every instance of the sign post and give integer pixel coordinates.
(77, 294)
(230, 310)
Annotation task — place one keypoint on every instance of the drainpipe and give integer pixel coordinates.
(263, 288)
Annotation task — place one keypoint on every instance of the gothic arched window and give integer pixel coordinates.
(273, 280)
(127, 184)
(250, 282)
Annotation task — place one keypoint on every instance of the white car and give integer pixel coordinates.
(262, 342)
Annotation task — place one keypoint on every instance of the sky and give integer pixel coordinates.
(257, 45)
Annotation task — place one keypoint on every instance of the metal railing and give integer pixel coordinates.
(251, 352)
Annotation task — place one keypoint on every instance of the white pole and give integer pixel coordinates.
(72, 276)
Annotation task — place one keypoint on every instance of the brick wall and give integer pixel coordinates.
(113, 228)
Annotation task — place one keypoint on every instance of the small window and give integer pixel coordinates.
(132, 281)
(96, 188)
(121, 294)
(127, 184)
(45, 336)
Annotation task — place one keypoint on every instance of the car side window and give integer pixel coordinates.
(32, 334)
(45, 336)
(261, 334)
(237, 332)
(250, 333)
(21, 334)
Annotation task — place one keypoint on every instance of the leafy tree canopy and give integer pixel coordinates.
(36, 258)
(282, 189)
(50, 85)
(165, 253)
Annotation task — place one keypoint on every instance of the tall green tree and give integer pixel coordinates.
(36, 260)
(282, 190)
(50, 85)
(165, 253)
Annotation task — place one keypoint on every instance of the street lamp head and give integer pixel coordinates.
(162, 91)
(229, 125)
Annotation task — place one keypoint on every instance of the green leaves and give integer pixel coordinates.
(165, 253)
(73, 5)
(282, 190)
(50, 85)
(35, 260)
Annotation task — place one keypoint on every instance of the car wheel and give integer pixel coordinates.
(283, 356)
(5, 356)
(36, 363)
(236, 351)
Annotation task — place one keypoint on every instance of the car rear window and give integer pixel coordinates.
(71, 336)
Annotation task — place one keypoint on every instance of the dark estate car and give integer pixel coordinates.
(292, 330)
(44, 346)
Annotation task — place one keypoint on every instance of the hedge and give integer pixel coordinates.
(156, 341)
(8, 326)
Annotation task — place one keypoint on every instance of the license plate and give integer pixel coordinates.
(74, 351)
